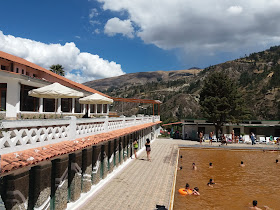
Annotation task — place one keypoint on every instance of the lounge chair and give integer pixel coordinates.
(247, 139)
(263, 140)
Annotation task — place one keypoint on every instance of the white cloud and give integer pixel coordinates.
(212, 26)
(116, 26)
(77, 37)
(69, 56)
(96, 31)
(94, 22)
(93, 13)
(235, 10)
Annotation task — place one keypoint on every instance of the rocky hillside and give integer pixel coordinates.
(140, 78)
(258, 77)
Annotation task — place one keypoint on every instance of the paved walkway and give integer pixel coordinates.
(143, 184)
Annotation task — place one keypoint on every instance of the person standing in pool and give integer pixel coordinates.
(210, 165)
(135, 147)
(242, 164)
(148, 149)
(194, 167)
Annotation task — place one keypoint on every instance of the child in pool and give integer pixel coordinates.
(211, 183)
(195, 191)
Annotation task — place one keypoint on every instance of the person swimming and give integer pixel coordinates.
(187, 189)
(180, 168)
(210, 165)
(194, 166)
(195, 191)
(242, 164)
(255, 203)
(276, 161)
(211, 183)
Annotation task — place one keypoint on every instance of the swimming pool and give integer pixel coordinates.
(236, 186)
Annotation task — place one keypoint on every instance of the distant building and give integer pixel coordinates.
(265, 128)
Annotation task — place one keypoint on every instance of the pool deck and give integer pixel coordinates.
(143, 184)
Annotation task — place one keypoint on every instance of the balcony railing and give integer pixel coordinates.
(25, 134)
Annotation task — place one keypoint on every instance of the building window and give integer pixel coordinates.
(3, 96)
(105, 108)
(92, 108)
(99, 108)
(28, 103)
(3, 67)
(34, 75)
(17, 70)
(66, 104)
(78, 107)
(27, 73)
(49, 105)
(22, 71)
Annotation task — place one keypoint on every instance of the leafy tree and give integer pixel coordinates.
(58, 69)
(221, 101)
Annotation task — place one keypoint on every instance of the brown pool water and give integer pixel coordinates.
(236, 186)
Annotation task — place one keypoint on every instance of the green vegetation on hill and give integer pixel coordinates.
(257, 77)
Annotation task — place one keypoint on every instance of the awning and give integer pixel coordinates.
(55, 90)
(96, 99)
(175, 123)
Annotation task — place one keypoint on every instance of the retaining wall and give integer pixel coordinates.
(54, 183)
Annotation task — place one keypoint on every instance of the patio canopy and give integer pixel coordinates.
(96, 99)
(55, 90)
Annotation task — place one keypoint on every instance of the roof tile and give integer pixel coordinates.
(13, 161)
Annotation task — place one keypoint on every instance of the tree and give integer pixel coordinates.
(221, 101)
(58, 69)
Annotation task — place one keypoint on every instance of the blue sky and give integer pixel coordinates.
(103, 38)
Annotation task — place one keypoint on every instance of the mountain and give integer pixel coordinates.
(139, 78)
(257, 75)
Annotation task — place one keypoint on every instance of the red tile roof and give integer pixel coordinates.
(34, 66)
(13, 161)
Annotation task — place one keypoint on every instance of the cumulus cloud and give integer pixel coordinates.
(116, 26)
(69, 56)
(211, 26)
(235, 10)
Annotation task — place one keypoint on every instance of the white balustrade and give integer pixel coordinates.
(25, 134)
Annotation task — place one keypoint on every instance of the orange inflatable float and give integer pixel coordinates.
(183, 191)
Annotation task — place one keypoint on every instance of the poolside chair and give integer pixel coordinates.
(215, 138)
(247, 139)
(262, 140)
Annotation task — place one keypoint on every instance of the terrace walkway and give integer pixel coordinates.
(143, 184)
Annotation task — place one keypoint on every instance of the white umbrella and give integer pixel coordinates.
(96, 99)
(55, 90)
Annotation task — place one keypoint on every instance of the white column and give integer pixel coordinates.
(41, 105)
(95, 108)
(58, 105)
(13, 99)
(108, 105)
(101, 108)
(88, 110)
(84, 108)
(73, 105)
